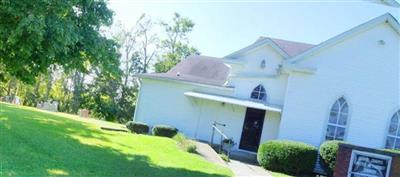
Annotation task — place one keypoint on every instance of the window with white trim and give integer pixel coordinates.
(393, 136)
(337, 120)
(259, 93)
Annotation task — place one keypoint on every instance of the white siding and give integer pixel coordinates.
(360, 69)
(271, 126)
(251, 62)
(232, 116)
(164, 102)
(247, 75)
(275, 88)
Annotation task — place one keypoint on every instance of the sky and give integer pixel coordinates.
(224, 26)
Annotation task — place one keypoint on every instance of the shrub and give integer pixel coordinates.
(186, 144)
(191, 148)
(224, 157)
(287, 156)
(164, 130)
(328, 151)
(396, 151)
(137, 127)
(228, 141)
(179, 137)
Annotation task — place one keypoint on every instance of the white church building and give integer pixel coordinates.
(346, 88)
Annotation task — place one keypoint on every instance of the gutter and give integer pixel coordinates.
(185, 82)
(300, 69)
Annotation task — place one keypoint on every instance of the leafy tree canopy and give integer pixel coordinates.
(176, 45)
(35, 34)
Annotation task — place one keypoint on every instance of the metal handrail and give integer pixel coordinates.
(220, 132)
(223, 136)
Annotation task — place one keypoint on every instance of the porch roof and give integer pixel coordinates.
(234, 101)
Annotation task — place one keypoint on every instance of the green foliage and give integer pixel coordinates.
(163, 66)
(36, 34)
(137, 127)
(328, 151)
(397, 151)
(164, 130)
(224, 157)
(179, 137)
(101, 98)
(287, 156)
(126, 103)
(276, 174)
(191, 148)
(186, 144)
(54, 51)
(39, 37)
(176, 45)
(171, 59)
(228, 141)
(54, 144)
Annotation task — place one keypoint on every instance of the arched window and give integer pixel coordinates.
(259, 93)
(393, 137)
(337, 120)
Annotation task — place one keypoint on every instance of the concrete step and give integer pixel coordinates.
(243, 156)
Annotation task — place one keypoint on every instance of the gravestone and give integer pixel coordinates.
(48, 106)
(84, 113)
(11, 99)
(357, 161)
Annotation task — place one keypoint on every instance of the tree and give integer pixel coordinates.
(78, 89)
(102, 96)
(138, 47)
(176, 45)
(56, 52)
(138, 44)
(62, 90)
(49, 77)
(37, 34)
(147, 42)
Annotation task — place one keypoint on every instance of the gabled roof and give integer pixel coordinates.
(213, 71)
(286, 48)
(392, 3)
(388, 18)
(292, 48)
(196, 69)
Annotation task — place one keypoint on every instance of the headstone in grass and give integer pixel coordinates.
(84, 113)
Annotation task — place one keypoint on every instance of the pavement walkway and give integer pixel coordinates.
(240, 169)
(209, 154)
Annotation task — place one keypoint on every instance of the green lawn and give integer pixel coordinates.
(39, 143)
(275, 174)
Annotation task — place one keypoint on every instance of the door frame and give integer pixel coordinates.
(241, 133)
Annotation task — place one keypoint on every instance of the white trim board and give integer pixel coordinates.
(388, 18)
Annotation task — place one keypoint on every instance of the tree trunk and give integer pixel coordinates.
(76, 97)
(36, 91)
(48, 85)
(11, 85)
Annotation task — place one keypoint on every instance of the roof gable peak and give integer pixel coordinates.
(284, 47)
(387, 17)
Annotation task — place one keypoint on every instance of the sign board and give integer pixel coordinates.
(358, 161)
(365, 164)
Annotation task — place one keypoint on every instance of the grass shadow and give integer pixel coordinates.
(43, 144)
